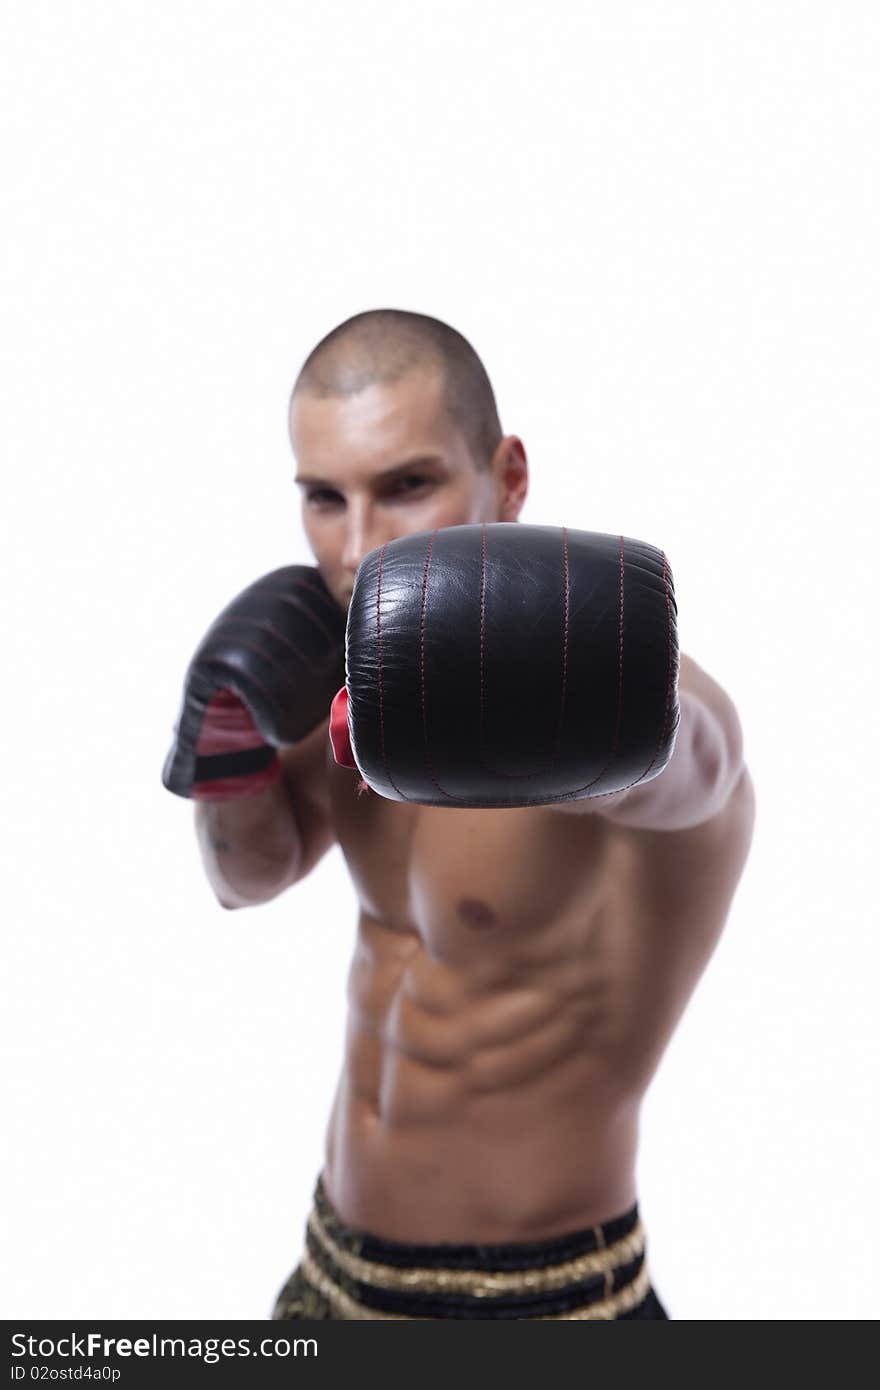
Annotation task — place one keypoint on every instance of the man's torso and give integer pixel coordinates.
(516, 977)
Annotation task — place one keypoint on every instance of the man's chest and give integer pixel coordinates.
(467, 879)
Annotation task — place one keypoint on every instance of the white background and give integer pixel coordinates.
(658, 225)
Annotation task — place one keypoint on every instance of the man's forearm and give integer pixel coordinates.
(706, 764)
(696, 781)
(250, 846)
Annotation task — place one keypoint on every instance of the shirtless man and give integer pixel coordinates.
(518, 970)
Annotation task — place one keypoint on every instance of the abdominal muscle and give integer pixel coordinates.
(478, 1101)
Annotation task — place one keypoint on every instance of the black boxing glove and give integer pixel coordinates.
(262, 677)
(509, 665)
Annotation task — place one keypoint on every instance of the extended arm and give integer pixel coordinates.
(706, 764)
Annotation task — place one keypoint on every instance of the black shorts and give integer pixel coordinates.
(599, 1272)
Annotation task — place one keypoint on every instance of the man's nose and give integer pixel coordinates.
(361, 535)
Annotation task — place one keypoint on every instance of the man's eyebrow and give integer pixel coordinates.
(309, 480)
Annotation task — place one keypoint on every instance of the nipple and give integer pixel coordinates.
(476, 912)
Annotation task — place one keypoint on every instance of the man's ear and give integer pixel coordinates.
(510, 469)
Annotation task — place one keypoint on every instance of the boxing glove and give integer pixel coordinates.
(262, 677)
(509, 665)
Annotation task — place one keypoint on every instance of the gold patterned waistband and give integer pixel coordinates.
(474, 1283)
(611, 1306)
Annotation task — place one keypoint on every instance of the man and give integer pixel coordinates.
(519, 969)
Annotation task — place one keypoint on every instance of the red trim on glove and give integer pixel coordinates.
(339, 729)
(234, 788)
(228, 727)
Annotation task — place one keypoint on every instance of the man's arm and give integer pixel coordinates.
(706, 764)
(255, 847)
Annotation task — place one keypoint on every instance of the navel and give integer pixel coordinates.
(476, 912)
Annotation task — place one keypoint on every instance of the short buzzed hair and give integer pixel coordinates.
(382, 345)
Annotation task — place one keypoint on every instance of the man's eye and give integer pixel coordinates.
(410, 484)
(402, 487)
(323, 495)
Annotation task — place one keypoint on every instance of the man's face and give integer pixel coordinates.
(384, 463)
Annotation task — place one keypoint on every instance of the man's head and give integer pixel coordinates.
(395, 429)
